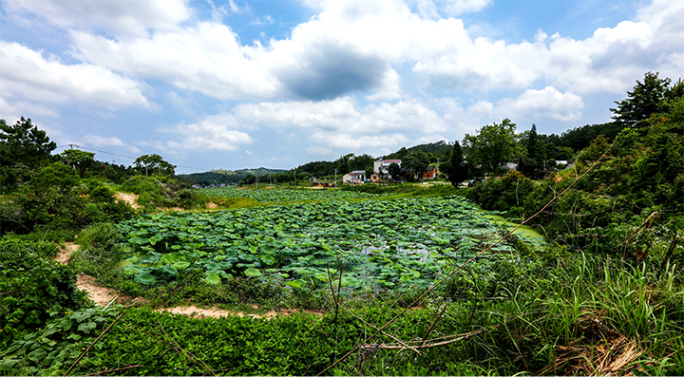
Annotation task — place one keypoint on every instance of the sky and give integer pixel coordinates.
(212, 84)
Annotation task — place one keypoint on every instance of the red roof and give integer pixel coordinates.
(391, 161)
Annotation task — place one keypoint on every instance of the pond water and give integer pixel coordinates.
(524, 231)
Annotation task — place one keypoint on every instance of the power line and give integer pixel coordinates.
(127, 157)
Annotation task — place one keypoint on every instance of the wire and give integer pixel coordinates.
(127, 157)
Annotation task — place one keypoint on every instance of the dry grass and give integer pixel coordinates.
(599, 352)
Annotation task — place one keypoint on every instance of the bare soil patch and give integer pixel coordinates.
(64, 254)
(213, 312)
(100, 295)
(211, 205)
(130, 198)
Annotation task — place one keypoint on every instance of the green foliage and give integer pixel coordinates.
(416, 162)
(149, 165)
(457, 170)
(284, 195)
(34, 288)
(383, 244)
(395, 171)
(493, 145)
(645, 99)
(23, 148)
(51, 350)
(81, 160)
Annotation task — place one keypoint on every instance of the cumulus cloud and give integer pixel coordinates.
(347, 141)
(547, 102)
(206, 58)
(212, 133)
(99, 141)
(26, 74)
(121, 17)
(343, 115)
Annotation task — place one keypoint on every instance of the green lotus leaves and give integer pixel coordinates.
(132, 270)
(299, 283)
(212, 278)
(180, 265)
(145, 278)
(252, 272)
(392, 244)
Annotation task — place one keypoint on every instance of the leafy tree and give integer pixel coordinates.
(80, 160)
(394, 170)
(369, 172)
(151, 164)
(456, 170)
(493, 145)
(417, 162)
(645, 100)
(23, 148)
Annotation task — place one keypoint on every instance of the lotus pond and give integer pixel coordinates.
(375, 244)
(286, 195)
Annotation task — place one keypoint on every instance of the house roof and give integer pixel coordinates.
(391, 161)
(430, 168)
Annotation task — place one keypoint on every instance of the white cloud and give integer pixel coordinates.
(212, 133)
(99, 141)
(121, 17)
(342, 115)
(347, 141)
(265, 19)
(206, 58)
(26, 74)
(536, 104)
(314, 150)
(458, 7)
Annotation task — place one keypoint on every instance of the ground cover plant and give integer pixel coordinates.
(285, 195)
(400, 244)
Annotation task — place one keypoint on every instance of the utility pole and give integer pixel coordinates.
(335, 177)
(437, 168)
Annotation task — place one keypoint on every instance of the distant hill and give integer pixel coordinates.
(440, 149)
(224, 176)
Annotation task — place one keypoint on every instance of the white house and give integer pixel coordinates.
(381, 166)
(354, 177)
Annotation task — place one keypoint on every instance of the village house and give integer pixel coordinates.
(381, 166)
(354, 177)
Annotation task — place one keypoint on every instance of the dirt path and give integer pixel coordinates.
(199, 313)
(103, 296)
(130, 198)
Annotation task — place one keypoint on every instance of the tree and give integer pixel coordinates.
(369, 172)
(457, 170)
(151, 164)
(23, 148)
(417, 162)
(644, 100)
(25, 143)
(493, 145)
(394, 170)
(80, 160)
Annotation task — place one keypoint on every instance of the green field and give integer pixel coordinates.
(398, 244)
(285, 195)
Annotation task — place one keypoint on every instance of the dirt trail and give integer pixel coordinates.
(103, 296)
(198, 313)
(130, 198)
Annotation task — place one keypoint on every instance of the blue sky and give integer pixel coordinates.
(242, 84)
